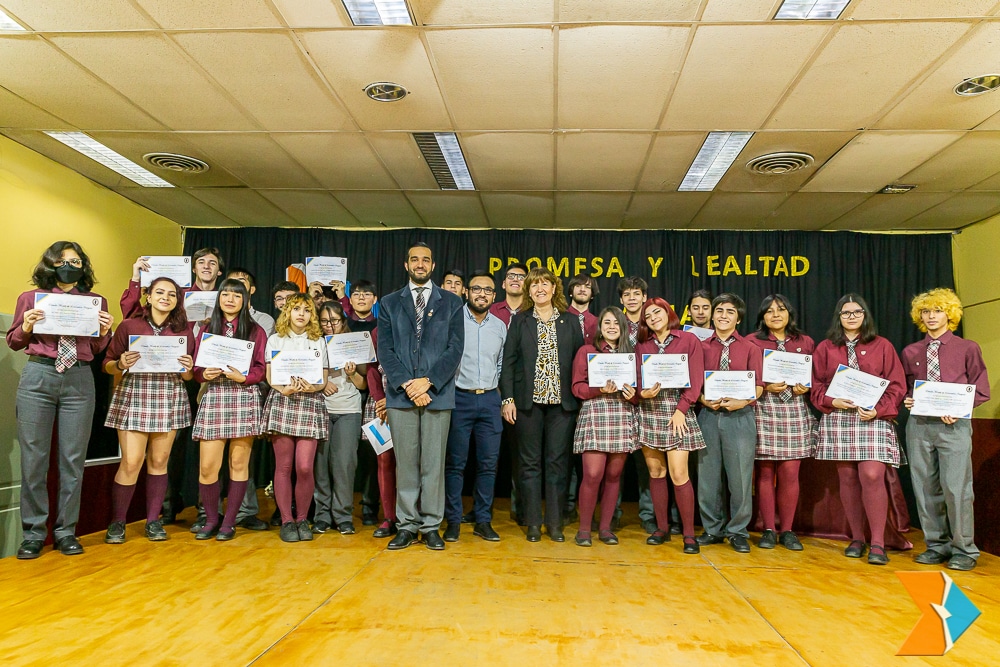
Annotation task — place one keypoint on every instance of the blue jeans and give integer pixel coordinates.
(479, 414)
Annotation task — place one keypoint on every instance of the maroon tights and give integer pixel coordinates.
(387, 483)
(301, 452)
(863, 492)
(598, 467)
(684, 494)
(788, 491)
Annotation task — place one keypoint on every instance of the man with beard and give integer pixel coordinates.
(581, 291)
(421, 340)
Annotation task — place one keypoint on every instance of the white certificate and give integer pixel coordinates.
(738, 385)
(787, 367)
(68, 314)
(378, 435)
(943, 399)
(356, 347)
(862, 389)
(158, 354)
(701, 332)
(305, 364)
(218, 351)
(199, 305)
(174, 267)
(670, 370)
(619, 368)
(326, 269)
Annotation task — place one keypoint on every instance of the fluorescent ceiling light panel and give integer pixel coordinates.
(7, 23)
(717, 154)
(95, 150)
(819, 10)
(378, 12)
(444, 157)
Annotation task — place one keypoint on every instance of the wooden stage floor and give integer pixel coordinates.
(345, 600)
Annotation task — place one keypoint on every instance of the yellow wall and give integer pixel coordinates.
(976, 253)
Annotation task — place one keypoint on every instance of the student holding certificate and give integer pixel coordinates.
(206, 265)
(148, 408)
(605, 428)
(56, 382)
(295, 414)
(862, 441)
(940, 448)
(667, 428)
(229, 410)
(786, 429)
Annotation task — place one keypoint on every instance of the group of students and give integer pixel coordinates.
(546, 400)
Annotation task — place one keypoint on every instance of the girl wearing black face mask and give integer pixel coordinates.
(56, 381)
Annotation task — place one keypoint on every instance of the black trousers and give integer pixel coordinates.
(544, 442)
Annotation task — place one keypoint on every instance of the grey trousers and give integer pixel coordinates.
(42, 396)
(731, 439)
(419, 438)
(941, 468)
(336, 465)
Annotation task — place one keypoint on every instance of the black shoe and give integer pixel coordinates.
(369, 518)
(767, 540)
(691, 545)
(675, 529)
(154, 531)
(570, 515)
(556, 535)
(386, 529)
(403, 539)
(876, 555)
(649, 525)
(433, 541)
(252, 523)
(534, 534)
(657, 538)
(708, 538)
(69, 546)
(616, 523)
(289, 532)
(453, 530)
(469, 517)
(790, 541)
(30, 549)
(608, 537)
(346, 528)
(485, 531)
(320, 527)
(306, 534)
(275, 519)
(855, 549)
(116, 533)
(583, 540)
(931, 557)
(961, 562)
(225, 534)
(206, 533)
(198, 524)
(740, 544)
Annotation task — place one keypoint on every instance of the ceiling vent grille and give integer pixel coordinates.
(778, 164)
(175, 162)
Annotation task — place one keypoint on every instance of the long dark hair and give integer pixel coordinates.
(673, 322)
(245, 324)
(44, 275)
(868, 329)
(624, 346)
(791, 329)
(177, 320)
(337, 309)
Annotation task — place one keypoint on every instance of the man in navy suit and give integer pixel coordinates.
(421, 340)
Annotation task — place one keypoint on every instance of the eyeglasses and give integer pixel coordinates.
(363, 295)
(326, 321)
(476, 289)
(851, 314)
(72, 262)
(516, 277)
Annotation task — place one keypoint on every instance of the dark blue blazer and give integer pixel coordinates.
(435, 357)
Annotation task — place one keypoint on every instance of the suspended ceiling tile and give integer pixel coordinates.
(311, 208)
(245, 207)
(860, 71)
(67, 15)
(519, 210)
(381, 55)
(669, 159)
(198, 14)
(510, 160)
(961, 165)
(821, 145)
(314, 13)
(177, 205)
(887, 211)
(461, 210)
(133, 145)
(255, 159)
(270, 79)
(727, 210)
(401, 156)
(963, 209)
(590, 210)
(617, 11)
(663, 210)
(913, 9)
(380, 208)
(178, 95)
(991, 184)
(712, 95)
(517, 92)
(23, 115)
(812, 210)
(35, 71)
(338, 160)
(617, 77)
(875, 159)
(739, 10)
(495, 12)
(66, 156)
(600, 160)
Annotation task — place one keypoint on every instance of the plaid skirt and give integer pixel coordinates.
(368, 412)
(227, 410)
(300, 415)
(655, 432)
(785, 430)
(844, 437)
(605, 424)
(149, 403)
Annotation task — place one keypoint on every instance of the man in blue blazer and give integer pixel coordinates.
(421, 340)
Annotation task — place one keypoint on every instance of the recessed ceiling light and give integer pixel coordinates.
(811, 9)
(95, 150)
(977, 85)
(444, 156)
(385, 91)
(717, 154)
(378, 12)
(896, 189)
(7, 23)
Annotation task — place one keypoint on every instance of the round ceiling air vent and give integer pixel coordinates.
(978, 85)
(385, 91)
(777, 164)
(175, 162)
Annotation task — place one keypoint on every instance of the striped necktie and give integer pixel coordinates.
(786, 394)
(933, 363)
(420, 306)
